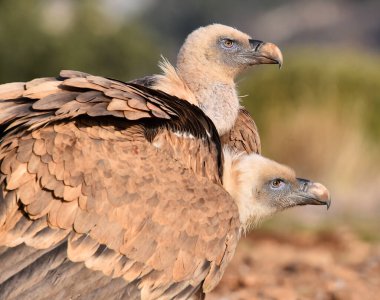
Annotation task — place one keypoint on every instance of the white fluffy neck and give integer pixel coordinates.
(219, 102)
(216, 97)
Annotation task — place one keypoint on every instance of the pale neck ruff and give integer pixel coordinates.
(220, 102)
(216, 96)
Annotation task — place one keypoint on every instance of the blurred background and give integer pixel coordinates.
(320, 113)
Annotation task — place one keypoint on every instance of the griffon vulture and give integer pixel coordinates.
(112, 190)
(207, 65)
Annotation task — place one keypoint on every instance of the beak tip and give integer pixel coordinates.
(328, 204)
(322, 193)
(279, 59)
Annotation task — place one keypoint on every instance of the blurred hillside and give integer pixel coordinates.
(346, 23)
(319, 114)
(39, 38)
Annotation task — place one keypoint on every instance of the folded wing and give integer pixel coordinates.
(111, 185)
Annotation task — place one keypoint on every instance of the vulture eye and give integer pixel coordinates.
(277, 183)
(227, 43)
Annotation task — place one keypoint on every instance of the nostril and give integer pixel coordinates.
(304, 188)
(303, 184)
(255, 44)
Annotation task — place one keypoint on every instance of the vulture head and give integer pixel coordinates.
(207, 65)
(225, 51)
(262, 187)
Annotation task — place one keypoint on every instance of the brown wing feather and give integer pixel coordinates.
(136, 205)
(121, 197)
(74, 94)
(244, 136)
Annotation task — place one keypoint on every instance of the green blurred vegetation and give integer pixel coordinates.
(320, 107)
(365, 229)
(91, 42)
(336, 79)
(319, 114)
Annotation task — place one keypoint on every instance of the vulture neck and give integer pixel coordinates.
(213, 92)
(217, 98)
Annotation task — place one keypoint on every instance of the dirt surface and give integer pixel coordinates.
(321, 266)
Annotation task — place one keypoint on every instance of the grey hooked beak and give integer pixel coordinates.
(312, 193)
(265, 53)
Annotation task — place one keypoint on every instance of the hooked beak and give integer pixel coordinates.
(312, 193)
(265, 53)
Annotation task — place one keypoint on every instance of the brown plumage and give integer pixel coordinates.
(112, 190)
(77, 169)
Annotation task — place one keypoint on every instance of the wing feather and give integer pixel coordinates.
(123, 179)
(244, 135)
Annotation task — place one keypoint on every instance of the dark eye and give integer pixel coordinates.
(277, 183)
(227, 43)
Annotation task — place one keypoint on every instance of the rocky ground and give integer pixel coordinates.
(300, 266)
